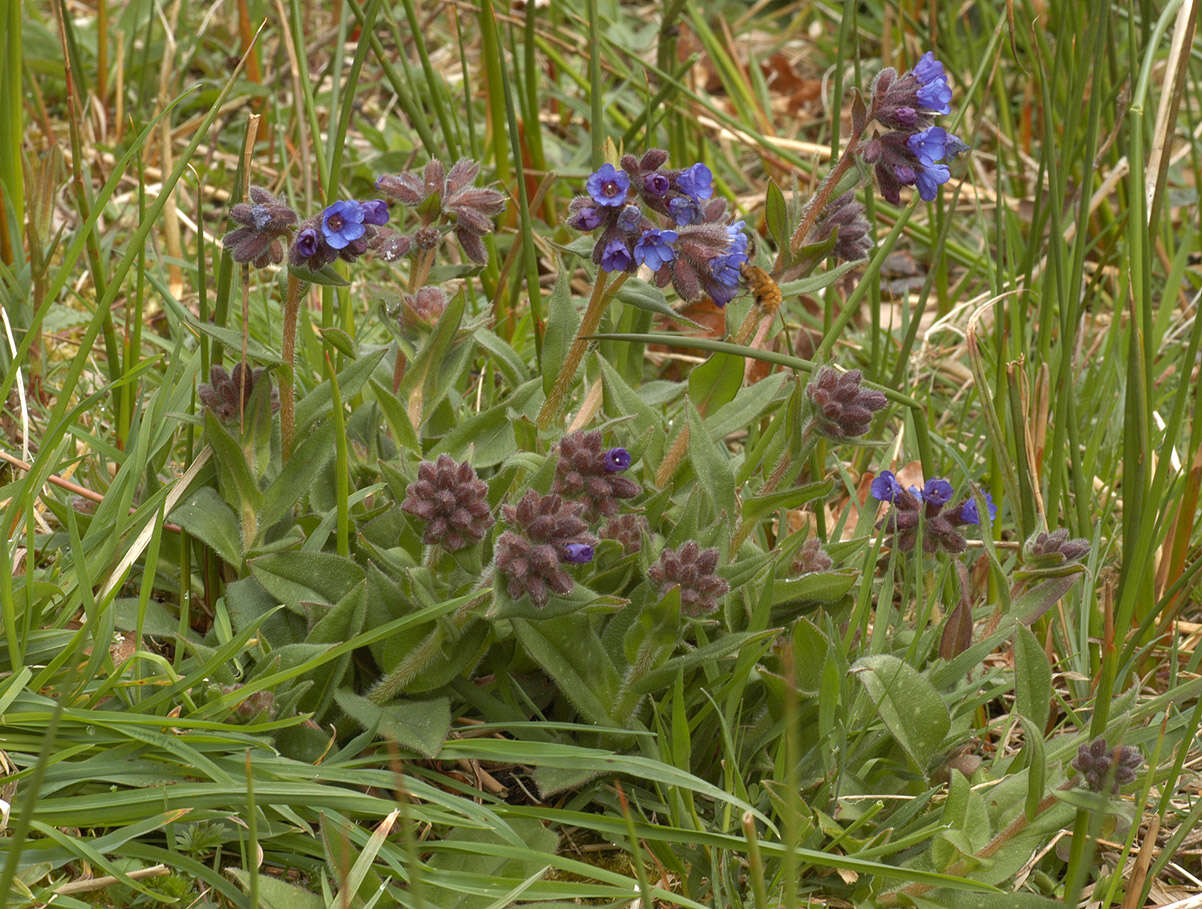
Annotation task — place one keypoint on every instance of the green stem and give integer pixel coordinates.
(809, 217)
(588, 326)
(287, 399)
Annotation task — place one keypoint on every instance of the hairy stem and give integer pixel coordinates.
(287, 400)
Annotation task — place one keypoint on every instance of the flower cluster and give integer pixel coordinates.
(1049, 550)
(1096, 760)
(344, 230)
(450, 498)
(693, 569)
(842, 409)
(914, 506)
(912, 151)
(689, 245)
(846, 219)
(265, 221)
(445, 201)
(548, 532)
(627, 530)
(590, 475)
(420, 310)
(811, 558)
(227, 395)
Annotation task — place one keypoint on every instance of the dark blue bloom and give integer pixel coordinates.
(937, 492)
(577, 553)
(928, 146)
(656, 184)
(375, 211)
(725, 272)
(885, 487)
(929, 179)
(616, 460)
(342, 223)
(608, 185)
(970, 514)
(306, 243)
(630, 219)
(696, 182)
(616, 257)
(685, 210)
(654, 248)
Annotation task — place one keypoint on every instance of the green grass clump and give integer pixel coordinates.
(306, 639)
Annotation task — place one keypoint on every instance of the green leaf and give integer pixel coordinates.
(340, 341)
(234, 475)
(1037, 766)
(571, 653)
(650, 298)
(1032, 678)
(396, 417)
(206, 516)
(776, 214)
(715, 382)
(489, 434)
(748, 404)
(420, 726)
(755, 507)
(1037, 600)
(958, 899)
(966, 824)
(319, 401)
(307, 462)
(277, 894)
(562, 323)
(817, 587)
(712, 464)
(306, 577)
(727, 645)
(431, 373)
(907, 704)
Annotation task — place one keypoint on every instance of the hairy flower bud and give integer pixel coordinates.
(842, 409)
(450, 499)
(692, 569)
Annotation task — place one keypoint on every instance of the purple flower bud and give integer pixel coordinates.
(630, 219)
(616, 459)
(306, 243)
(656, 184)
(685, 210)
(608, 185)
(585, 218)
(577, 553)
(375, 211)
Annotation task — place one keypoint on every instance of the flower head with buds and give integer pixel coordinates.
(547, 533)
(227, 394)
(589, 474)
(1101, 765)
(842, 409)
(450, 499)
(264, 222)
(693, 570)
(914, 508)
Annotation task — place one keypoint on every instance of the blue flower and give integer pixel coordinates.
(608, 185)
(616, 460)
(375, 211)
(738, 239)
(685, 210)
(928, 69)
(616, 257)
(937, 492)
(630, 219)
(885, 487)
(969, 512)
(929, 179)
(306, 243)
(934, 94)
(342, 223)
(654, 248)
(696, 182)
(725, 273)
(929, 146)
(577, 553)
